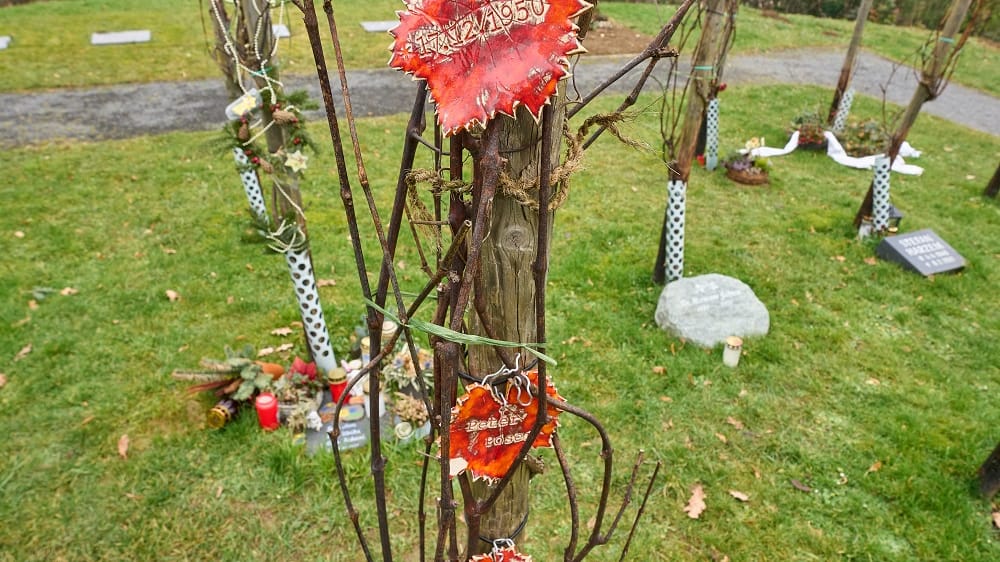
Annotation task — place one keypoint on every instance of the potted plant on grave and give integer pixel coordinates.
(402, 386)
(299, 392)
(864, 138)
(743, 167)
(810, 126)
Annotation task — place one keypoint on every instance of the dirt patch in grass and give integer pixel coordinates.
(611, 38)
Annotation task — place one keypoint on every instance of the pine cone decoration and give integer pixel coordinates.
(266, 166)
(244, 133)
(283, 117)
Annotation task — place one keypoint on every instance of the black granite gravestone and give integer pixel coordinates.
(921, 251)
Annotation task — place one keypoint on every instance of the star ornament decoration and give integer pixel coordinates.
(480, 57)
(486, 435)
(297, 162)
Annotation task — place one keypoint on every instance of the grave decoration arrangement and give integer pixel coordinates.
(811, 127)
(305, 395)
(867, 137)
(742, 166)
(239, 378)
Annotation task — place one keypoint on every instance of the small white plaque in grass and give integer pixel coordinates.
(120, 37)
(280, 31)
(379, 26)
(4, 41)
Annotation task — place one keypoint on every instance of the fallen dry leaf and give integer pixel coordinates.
(68, 291)
(285, 347)
(996, 519)
(265, 351)
(172, 296)
(3, 380)
(734, 422)
(86, 420)
(871, 260)
(218, 492)
(875, 467)
(32, 304)
(286, 331)
(756, 473)
(249, 267)
(326, 283)
(800, 486)
(873, 381)
(22, 353)
(696, 505)
(739, 495)
(947, 149)
(840, 258)
(123, 446)
(659, 369)
(230, 299)
(970, 177)
(18, 234)
(295, 324)
(666, 399)
(169, 251)
(722, 438)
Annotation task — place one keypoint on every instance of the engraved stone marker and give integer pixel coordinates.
(706, 309)
(280, 31)
(921, 251)
(120, 37)
(379, 26)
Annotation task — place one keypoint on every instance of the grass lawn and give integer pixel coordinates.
(876, 387)
(182, 38)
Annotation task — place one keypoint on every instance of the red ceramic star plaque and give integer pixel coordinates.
(486, 435)
(483, 56)
(502, 555)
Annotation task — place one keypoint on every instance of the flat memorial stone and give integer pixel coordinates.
(921, 251)
(379, 26)
(706, 309)
(4, 41)
(120, 37)
(280, 31)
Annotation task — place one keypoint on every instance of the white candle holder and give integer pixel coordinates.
(732, 351)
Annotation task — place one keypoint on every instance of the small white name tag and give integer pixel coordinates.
(121, 37)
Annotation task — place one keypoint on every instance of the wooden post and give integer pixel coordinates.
(852, 55)
(989, 474)
(260, 41)
(993, 187)
(700, 87)
(929, 88)
(507, 288)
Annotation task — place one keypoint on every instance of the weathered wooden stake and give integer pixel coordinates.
(507, 287)
(989, 474)
(993, 188)
(852, 54)
(931, 83)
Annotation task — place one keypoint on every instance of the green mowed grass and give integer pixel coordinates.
(875, 388)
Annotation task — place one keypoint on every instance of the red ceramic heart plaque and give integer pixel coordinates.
(480, 57)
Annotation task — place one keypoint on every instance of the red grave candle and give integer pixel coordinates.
(267, 411)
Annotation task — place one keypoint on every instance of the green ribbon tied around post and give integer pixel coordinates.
(458, 337)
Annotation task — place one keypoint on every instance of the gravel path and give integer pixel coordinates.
(117, 112)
